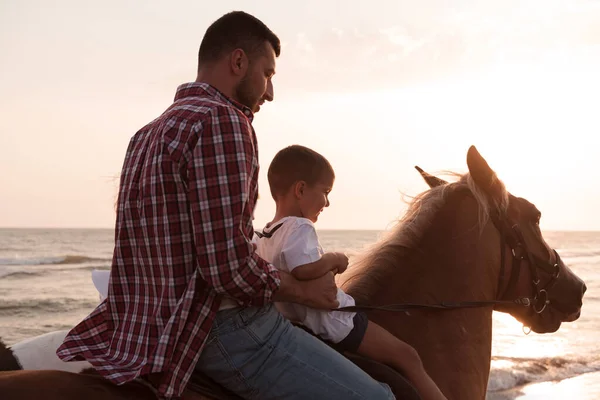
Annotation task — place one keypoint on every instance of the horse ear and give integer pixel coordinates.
(431, 180)
(482, 174)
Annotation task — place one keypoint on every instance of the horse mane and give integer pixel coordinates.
(379, 260)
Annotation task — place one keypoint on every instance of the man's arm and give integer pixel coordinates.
(219, 187)
(320, 293)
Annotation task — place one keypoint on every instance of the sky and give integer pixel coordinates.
(377, 87)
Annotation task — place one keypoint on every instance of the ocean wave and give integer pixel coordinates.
(25, 272)
(89, 268)
(18, 274)
(33, 307)
(55, 260)
(508, 373)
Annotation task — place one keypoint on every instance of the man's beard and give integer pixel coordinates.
(245, 95)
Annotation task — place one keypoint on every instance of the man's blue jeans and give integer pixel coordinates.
(258, 354)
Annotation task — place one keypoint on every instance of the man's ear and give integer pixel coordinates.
(299, 188)
(238, 61)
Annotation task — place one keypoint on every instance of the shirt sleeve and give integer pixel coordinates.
(220, 176)
(301, 247)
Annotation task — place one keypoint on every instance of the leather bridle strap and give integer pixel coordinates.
(445, 305)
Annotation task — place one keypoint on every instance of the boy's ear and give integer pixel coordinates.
(299, 189)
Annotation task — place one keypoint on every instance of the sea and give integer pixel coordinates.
(45, 285)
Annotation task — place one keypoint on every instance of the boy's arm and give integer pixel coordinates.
(334, 262)
(302, 254)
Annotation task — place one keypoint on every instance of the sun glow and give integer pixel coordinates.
(517, 343)
(508, 110)
(531, 127)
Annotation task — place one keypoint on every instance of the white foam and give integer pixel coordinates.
(508, 374)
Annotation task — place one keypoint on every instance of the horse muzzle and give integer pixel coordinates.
(572, 317)
(566, 294)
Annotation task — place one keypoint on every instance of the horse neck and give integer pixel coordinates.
(452, 263)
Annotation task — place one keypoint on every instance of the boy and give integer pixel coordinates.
(300, 180)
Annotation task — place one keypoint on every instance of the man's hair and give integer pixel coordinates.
(236, 30)
(297, 163)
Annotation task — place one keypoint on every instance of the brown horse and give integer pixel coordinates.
(473, 243)
(470, 243)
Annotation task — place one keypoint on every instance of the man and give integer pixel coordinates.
(187, 290)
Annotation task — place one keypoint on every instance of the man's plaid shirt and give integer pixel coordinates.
(183, 234)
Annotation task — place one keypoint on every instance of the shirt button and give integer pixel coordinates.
(247, 112)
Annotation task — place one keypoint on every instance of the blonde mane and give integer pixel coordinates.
(409, 230)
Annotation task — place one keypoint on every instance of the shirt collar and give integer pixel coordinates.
(202, 89)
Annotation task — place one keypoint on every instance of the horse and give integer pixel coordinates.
(467, 248)
(461, 251)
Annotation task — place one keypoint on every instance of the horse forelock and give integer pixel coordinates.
(8, 361)
(380, 259)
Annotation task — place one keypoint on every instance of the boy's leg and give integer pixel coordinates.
(258, 354)
(380, 345)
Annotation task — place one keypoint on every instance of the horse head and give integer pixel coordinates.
(531, 272)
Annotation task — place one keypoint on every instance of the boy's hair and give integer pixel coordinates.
(235, 30)
(297, 163)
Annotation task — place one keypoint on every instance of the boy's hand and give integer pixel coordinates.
(342, 262)
(338, 262)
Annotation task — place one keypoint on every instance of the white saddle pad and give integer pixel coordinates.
(100, 279)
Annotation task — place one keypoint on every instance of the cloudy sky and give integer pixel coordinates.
(376, 87)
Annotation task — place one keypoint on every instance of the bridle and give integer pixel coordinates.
(511, 236)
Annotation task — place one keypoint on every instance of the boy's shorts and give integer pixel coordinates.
(356, 335)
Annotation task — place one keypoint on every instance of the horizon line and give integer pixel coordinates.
(320, 229)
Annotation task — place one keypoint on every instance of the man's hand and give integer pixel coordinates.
(320, 293)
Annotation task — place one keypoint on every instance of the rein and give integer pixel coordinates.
(444, 305)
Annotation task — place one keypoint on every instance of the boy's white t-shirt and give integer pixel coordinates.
(287, 244)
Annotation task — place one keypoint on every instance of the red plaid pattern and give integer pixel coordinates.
(182, 238)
